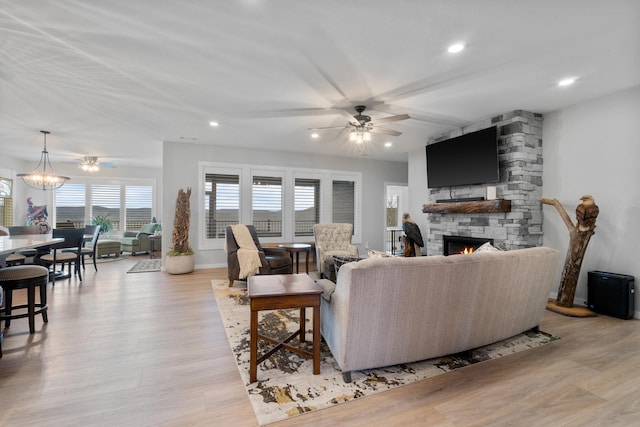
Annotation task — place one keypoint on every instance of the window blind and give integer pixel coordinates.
(222, 203)
(105, 201)
(343, 202)
(266, 201)
(70, 204)
(138, 205)
(306, 205)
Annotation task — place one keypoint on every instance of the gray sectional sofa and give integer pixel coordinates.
(386, 311)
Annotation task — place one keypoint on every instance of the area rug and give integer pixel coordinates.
(109, 258)
(286, 386)
(146, 266)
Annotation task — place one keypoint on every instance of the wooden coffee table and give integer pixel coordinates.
(282, 291)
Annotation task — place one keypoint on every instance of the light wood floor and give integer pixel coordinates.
(149, 349)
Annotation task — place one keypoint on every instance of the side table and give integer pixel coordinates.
(296, 248)
(282, 291)
(155, 246)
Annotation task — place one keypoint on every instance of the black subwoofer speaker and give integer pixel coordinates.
(611, 294)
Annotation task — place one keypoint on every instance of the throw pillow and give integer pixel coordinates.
(486, 247)
(378, 254)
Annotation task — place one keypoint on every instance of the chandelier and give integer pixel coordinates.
(43, 177)
(90, 164)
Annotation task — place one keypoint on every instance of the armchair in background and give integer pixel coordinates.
(137, 241)
(333, 239)
(274, 260)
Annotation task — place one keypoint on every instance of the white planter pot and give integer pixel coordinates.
(179, 264)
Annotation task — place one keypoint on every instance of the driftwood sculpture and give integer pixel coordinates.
(180, 237)
(579, 235)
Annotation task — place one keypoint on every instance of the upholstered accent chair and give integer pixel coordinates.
(137, 241)
(274, 260)
(333, 239)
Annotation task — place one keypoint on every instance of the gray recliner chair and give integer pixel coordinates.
(137, 241)
(274, 260)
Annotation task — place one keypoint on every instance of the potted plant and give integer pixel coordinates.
(180, 258)
(105, 223)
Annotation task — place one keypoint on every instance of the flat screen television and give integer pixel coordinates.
(468, 159)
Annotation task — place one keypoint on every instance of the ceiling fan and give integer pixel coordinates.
(91, 164)
(361, 126)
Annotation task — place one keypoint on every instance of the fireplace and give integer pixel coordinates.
(462, 244)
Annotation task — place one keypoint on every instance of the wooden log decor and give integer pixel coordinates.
(579, 236)
(480, 206)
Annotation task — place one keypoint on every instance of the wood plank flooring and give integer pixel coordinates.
(149, 349)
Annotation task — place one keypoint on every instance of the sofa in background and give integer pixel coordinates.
(386, 311)
(137, 241)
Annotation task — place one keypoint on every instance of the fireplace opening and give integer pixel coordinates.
(462, 244)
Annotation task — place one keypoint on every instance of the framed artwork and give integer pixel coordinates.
(6, 187)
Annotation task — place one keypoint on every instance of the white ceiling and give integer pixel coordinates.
(115, 78)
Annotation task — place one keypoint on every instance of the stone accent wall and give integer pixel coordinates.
(520, 157)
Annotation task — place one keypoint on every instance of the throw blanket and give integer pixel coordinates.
(248, 255)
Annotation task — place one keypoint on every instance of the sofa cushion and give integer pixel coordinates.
(148, 228)
(328, 288)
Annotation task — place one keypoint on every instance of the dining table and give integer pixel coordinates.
(12, 244)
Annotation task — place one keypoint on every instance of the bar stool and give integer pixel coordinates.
(24, 277)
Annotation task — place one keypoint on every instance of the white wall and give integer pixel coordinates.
(180, 170)
(594, 148)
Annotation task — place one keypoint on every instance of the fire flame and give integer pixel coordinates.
(467, 250)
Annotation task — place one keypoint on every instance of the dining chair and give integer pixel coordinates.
(20, 230)
(13, 259)
(88, 247)
(73, 239)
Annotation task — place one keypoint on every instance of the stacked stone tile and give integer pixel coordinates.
(520, 157)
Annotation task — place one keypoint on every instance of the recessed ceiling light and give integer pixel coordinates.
(315, 135)
(567, 82)
(214, 124)
(455, 48)
(388, 144)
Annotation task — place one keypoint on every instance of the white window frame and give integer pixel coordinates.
(246, 173)
(123, 183)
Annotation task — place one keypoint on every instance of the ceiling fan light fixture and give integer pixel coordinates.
(90, 164)
(43, 177)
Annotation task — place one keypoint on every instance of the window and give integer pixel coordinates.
(306, 206)
(70, 204)
(128, 205)
(138, 206)
(222, 203)
(6, 211)
(6, 202)
(105, 201)
(283, 203)
(266, 202)
(343, 202)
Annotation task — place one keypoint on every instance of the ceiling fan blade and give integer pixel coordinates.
(287, 112)
(391, 119)
(377, 129)
(329, 127)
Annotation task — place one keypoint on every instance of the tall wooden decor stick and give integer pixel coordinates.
(579, 235)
